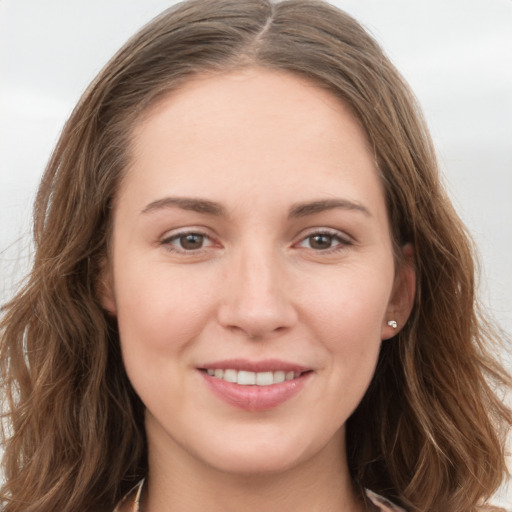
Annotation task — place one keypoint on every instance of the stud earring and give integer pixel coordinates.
(392, 323)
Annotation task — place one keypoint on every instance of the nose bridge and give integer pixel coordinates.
(256, 299)
(259, 269)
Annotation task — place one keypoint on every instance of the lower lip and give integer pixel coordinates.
(255, 398)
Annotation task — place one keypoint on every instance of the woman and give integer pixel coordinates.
(249, 290)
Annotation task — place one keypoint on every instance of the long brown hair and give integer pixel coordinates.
(429, 433)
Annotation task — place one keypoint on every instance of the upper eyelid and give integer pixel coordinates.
(186, 230)
(168, 239)
(325, 231)
(171, 246)
(176, 233)
(185, 233)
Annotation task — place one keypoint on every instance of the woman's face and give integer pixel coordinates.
(252, 272)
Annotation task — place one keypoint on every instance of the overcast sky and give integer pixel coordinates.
(457, 55)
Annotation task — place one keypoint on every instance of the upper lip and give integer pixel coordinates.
(266, 365)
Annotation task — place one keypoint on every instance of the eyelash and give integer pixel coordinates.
(168, 242)
(334, 236)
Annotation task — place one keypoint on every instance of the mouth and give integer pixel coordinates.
(249, 378)
(255, 386)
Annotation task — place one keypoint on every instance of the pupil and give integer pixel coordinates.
(321, 241)
(191, 241)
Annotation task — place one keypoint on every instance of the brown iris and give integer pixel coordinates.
(191, 241)
(321, 241)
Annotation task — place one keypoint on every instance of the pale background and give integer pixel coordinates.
(456, 54)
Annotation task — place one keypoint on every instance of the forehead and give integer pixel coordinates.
(248, 99)
(256, 130)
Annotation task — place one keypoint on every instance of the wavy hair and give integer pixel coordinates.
(429, 433)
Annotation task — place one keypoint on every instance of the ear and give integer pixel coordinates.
(105, 289)
(402, 297)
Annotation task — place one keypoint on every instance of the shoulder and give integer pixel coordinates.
(382, 504)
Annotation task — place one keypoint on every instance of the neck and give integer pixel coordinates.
(179, 483)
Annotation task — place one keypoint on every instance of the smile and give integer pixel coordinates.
(255, 385)
(248, 378)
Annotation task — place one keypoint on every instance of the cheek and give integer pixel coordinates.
(157, 311)
(159, 319)
(347, 317)
(351, 305)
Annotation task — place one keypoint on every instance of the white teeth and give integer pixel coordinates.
(246, 378)
(264, 378)
(230, 375)
(279, 377)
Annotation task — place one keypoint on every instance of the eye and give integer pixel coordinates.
(187, 242)
(324, 241)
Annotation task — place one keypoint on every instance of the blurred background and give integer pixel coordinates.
(456, 54)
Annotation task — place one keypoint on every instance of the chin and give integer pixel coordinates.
(257, 462)
(260, 455)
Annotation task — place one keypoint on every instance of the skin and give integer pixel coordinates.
(259, 284)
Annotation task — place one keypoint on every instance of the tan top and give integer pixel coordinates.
(131, 502)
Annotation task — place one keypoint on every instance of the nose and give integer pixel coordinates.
(255, 299)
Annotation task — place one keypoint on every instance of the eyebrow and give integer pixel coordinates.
(298, 210)
(187, 203)
(313, 207)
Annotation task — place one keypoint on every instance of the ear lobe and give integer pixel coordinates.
(105, 290)
(402, 297)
